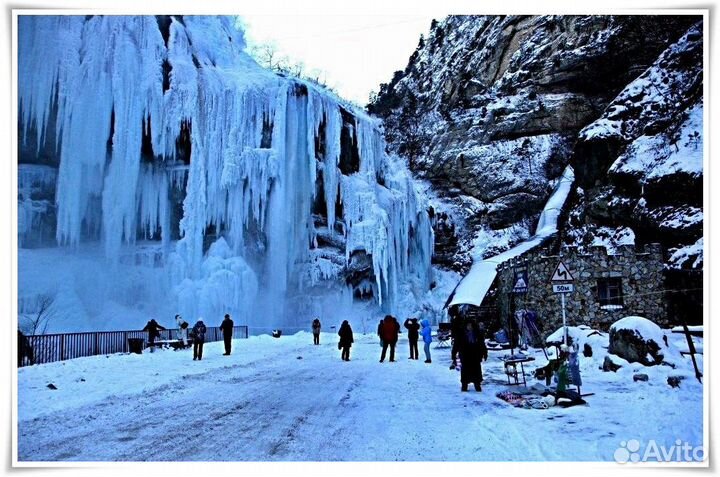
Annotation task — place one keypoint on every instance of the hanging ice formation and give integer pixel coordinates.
(260, 191)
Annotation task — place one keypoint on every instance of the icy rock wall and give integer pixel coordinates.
(151, 113)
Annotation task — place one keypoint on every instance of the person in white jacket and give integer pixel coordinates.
(182, 330)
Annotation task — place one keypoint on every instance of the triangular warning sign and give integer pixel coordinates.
(520, 283)
(562, 274)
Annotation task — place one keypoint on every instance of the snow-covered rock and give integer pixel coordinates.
(637, 339)
(641, 163)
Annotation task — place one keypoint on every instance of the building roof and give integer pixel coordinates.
(472, 288)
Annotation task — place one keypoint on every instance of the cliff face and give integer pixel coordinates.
(639, 167)
(490, 109)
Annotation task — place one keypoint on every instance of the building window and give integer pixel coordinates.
(610, 292)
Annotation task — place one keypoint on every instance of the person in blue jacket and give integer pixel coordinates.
(426, 332)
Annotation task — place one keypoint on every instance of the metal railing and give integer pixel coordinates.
(40, 349)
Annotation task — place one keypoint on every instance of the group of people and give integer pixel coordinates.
(468, 344)
(197, 333)
(389, 329)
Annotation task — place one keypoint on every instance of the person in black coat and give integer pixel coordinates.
(227, 329)
(198, 335)
(472, 350)
(346, 340)
(25, 349)
(413, 326)
(153, 329)
(457, 328)
(316, 325)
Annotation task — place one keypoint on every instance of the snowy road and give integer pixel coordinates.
(263, 403)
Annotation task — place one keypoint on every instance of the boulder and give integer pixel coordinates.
(637, 340)
(640, 377)
(609, 365)
(674, 381)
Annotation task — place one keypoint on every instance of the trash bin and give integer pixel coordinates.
(135, 345)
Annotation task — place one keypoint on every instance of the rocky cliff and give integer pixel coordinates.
(490, 109)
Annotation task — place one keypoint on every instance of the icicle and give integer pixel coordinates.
(331, 172)
(252, 169)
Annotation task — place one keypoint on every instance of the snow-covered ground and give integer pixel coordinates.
(285, 399)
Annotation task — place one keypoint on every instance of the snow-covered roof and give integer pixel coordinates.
(472, 288)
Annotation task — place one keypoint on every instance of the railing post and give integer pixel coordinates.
(62, 346)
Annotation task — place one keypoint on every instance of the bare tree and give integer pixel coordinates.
(37, 322)
(266, 54)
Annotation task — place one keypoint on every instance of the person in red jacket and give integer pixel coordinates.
(390, 330)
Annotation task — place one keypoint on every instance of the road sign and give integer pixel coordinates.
(521, 281)
(563, 288)
(562, 274)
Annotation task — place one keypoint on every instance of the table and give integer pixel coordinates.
(512, 371)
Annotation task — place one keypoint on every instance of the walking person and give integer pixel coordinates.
(198, 335)
(390, 330)
(153, 329)
(427, 339)
(227, 329)
(316, 331)
(346, 340)
(472, 351)
(412, 326)
(182, 333)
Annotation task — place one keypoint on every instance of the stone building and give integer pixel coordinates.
(607, 287)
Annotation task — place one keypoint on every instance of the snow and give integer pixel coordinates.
(578, 335)
(683, 255)
(250, 182)
(653, 157)
(642, 327)
(473, 287)
(164, 406)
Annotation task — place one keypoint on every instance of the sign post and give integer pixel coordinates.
(562, 283)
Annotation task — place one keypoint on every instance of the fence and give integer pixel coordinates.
(39, 349)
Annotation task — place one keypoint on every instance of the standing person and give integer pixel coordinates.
(412, 326)
(472, 351)
(316, 331)
(198, 334)
(227, 329)
(153, 329)
(346, 340)
(427, 338)
(456, 331)
(390, 330)
(182, 330)
(25, 349)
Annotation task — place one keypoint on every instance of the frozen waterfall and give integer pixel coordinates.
(195, 182)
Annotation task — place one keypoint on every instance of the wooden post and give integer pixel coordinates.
(691, 348)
